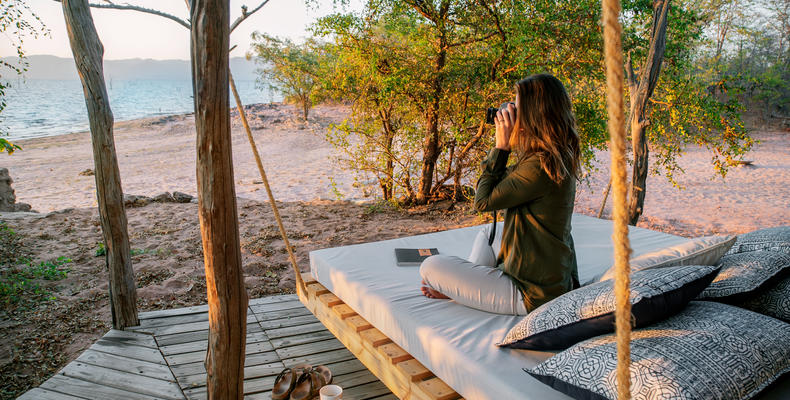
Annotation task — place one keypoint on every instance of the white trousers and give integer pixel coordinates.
(476, 286)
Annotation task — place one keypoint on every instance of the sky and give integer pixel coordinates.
(131, 34)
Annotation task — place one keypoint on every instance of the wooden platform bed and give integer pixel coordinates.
(459, 341)
(403, 375)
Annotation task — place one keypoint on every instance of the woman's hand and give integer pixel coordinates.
(505, 119)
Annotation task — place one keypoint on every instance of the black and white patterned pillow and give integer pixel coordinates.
(708, 351)
(589, 310)
(773, 239)
(773, 300)
(743, 275)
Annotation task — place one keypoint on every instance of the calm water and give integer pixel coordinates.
(48, 107)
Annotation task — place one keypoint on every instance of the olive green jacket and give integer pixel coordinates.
(537, 247)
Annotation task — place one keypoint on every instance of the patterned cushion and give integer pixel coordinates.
(589, 310)
(773, 300)
(708, 351)
(706, 250)
(743, 274)
(774, 239)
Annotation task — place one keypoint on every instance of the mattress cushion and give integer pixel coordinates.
(708, 351)
(589, 311)
(452, 341)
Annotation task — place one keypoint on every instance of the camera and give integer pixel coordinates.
(491, 112)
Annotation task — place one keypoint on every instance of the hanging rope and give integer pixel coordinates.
(297, 274)
(613, 54)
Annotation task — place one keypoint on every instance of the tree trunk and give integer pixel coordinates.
(227, 298)
(390, 166)
(387, 184)
(430, 153)
(430, 149)
(640, 96)
(88, 52)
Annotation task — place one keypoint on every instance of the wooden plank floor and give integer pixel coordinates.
(163, 357)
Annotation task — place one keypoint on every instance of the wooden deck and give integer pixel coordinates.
(163, 357)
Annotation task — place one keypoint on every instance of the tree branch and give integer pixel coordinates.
(114, 6)
(423, 8)
(630, 75)
(184, 23)
(472, 40)
(245, 14)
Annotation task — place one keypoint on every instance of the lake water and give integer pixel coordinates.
(36, 108)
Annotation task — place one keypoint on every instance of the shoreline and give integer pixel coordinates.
(33, 112)
(158, 155)
(116, 125)
(135, 122)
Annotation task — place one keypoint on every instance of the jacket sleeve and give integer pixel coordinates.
(498, 190)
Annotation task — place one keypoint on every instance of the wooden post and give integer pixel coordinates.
(227, 298)
(88, 52)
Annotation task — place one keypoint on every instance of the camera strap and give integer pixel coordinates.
(492, 235)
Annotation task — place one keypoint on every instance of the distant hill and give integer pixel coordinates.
(52, 67)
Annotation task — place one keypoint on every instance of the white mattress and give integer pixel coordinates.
(457, 343)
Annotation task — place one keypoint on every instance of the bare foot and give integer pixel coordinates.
(431, 293)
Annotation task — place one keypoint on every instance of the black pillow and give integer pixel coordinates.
(743, 275)
(773, 300)
(708, 351)
(773, 239)
(589, 311)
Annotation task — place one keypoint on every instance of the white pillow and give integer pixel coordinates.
(706, 250)
(482, 253)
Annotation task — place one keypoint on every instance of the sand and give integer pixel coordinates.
(748, 198)
(46, 331)
(158, 154)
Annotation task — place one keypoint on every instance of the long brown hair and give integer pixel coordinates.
(545, 126)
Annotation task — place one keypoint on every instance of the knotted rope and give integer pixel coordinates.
(613, 54)
(297, 274)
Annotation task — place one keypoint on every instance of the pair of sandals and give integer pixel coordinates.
(301, 382)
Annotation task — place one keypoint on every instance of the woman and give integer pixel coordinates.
(537, 261)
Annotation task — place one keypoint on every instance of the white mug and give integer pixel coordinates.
(331, 392)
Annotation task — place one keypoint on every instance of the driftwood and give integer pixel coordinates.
(227, 298)
(88, 52)
(640, 96)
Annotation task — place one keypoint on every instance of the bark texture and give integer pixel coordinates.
(430, 148)
(219, 229)
(640, 97)
(88, 52)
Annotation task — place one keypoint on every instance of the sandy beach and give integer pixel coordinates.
(158, 155)
(322, 206)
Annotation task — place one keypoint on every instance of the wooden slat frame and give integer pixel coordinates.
(396, 368)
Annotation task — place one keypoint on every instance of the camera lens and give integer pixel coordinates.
(490, 115)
